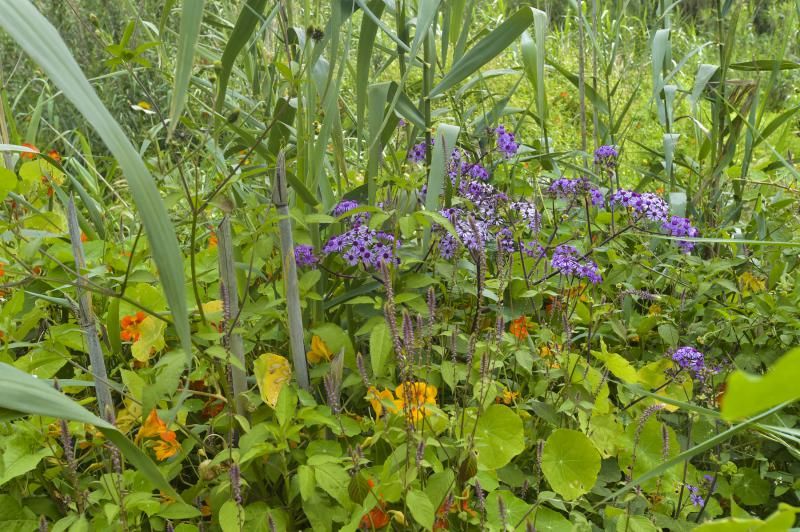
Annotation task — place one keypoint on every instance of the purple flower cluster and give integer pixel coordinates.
(678, 226)
(529, 213)
(506, 143)
(575, 188)
(304, 255)
(348, 205)
(362, 245)
(458, 167)
(645, 204)
(417, 152)
(694, 362)
(567, 260)
(606, 156)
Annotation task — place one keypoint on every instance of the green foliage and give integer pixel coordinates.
(322, 243)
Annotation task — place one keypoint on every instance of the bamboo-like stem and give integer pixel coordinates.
(87, 320)
(230, 295)
(280, 197)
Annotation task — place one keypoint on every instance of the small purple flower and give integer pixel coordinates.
(533, 249)
(304, 255)
(606, 156)
(694, 495)
(567, 260)
(401, 123)
(678, 226)
(505, 142)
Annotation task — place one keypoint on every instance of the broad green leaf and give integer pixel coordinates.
(570, 463)
(191, 18)
(380, 346)
(43, 43)
(19, 457)
(499, 437)
(749, 488)
(421, 508)
(366, 41)
(25, 394)
(618, 365)
(231, 516)
(748, 394)
(486, 49)
(444, 144)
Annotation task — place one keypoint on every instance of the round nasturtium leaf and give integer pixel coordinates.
(570, 463)
(499, 437)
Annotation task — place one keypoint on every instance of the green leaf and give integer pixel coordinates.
(8, 182)
(748, 394)
(445, 143)
(43, 43)
(245, 25)
(191, 17)
(570, 463)
(499, 437)
(760, 65)
(380, 346)
(231, 517)
(366, 42)
(669, 334)
(421, 508)
(23, 393)
(783, 519)
(486, 49)
(749, 488)
(19, 457)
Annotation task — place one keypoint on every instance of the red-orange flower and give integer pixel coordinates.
(29, 155)
(130, 326)
(168, 446)
(84, 238)
(152, 426)
(212, 240)
(53, 154)
(2, 269)
(519, 328)
(375, 519)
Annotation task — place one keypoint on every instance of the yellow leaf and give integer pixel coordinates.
(151, 339)
(213, 310)
(272, 372)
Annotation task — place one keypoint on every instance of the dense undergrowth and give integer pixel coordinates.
(399, 265)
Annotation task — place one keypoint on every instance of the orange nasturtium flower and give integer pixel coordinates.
(28, 155)
(152, 426)
(2, 269)
(375, 519)
(168, 446)
(319, 351)
(129, 326)
(53, 154)
(519, 328)
(212, 240)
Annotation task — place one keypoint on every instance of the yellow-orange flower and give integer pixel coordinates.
(319, 351)
(519, 328)
(129, 326)
(153, 426)
(168, 446)
(414, 396)
(53, 154)
(509, 396)
(376, 400)
(213, 240)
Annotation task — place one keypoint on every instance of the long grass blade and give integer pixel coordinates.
(191, 18)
